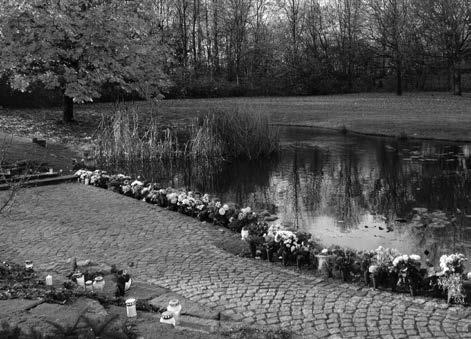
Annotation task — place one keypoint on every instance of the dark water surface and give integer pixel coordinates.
(353, 191)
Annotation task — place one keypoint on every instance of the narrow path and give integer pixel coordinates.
(51, 224)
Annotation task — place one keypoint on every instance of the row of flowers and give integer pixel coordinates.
(382, 268)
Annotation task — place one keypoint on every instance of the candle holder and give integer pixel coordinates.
(168, 318)
(174, 306)
(28, 265)
(98, 284)
(131, 308)
(89, 285)
(49, 280)
(79, 279)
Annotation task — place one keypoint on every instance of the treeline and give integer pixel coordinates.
(263, 47)
(218, 48)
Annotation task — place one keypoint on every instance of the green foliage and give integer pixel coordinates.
(79, 46)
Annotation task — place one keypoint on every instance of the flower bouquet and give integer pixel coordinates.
(451, 280)
(407, 268)
(271, 246)
(222, 214)
(253, 234)
(242, 218)
(115, 182)
(382, 270)
(453, 263)
(288, 242)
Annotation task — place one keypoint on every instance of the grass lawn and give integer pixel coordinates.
(425, 115)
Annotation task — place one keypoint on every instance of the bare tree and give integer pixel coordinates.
(447, 27)
(389, 30)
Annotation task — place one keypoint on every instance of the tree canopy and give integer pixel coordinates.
(78, 46)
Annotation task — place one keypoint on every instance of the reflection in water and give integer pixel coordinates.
(348, 190)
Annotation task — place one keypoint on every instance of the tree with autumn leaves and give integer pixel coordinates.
(78, 46)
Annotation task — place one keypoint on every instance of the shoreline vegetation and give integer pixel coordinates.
(427, 116)
(129, 135)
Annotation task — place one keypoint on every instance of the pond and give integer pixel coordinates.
(348, 190)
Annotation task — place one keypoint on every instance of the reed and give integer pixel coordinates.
(130, 136)
(234, 134)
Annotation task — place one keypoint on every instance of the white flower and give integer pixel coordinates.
(325, 251)
(415, 257)
(373, 268)
(246, 210)
(226, 207)
(137, 182)
(205, 198)
(218, 204)
(185, 202)
(222, 211)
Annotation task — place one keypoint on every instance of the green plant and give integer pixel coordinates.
(453, 285)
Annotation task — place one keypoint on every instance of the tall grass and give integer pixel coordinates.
(234, 134)
(130, 136)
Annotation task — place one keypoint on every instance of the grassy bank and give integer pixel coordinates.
(423, 115)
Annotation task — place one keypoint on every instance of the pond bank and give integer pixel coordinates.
(179, 253)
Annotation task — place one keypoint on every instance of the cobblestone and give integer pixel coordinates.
(51, 224)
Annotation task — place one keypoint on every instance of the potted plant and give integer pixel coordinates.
(381, 274)
(408, 272)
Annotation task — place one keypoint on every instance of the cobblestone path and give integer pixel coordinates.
(50, 224)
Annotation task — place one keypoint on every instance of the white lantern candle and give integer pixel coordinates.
(175, 307)
(98, 283)
(49, 280)
(87, 181)
(131, 308)
(51, 170)
(321, 259)
(28, 264)
(244, 234)
(168, 318)
(89, 285)
(80, 279)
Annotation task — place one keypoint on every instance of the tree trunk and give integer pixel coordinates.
(398, 80)
(457, 80)
(68, 109)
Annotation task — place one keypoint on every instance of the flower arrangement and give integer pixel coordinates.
(383, 263)
(407, 270)
(453, 263)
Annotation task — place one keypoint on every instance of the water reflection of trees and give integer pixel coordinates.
(344, 182)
